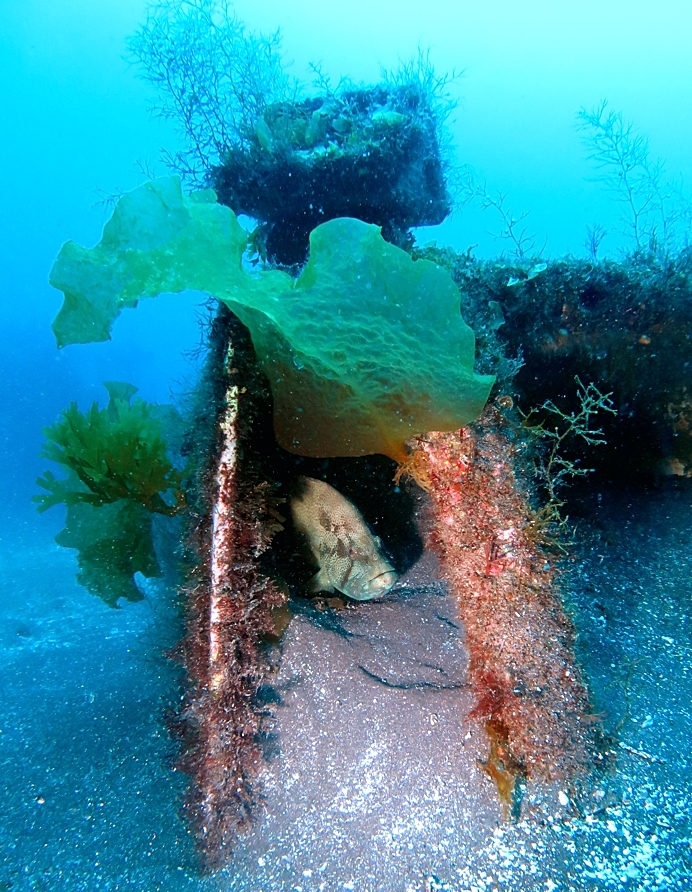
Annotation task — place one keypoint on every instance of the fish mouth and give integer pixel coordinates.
(380, 585)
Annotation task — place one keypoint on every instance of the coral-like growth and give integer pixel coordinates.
(657, 213)
(519, 640)
(214, 78)
(553, 469)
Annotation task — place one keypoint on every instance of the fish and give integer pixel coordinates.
(349, 556)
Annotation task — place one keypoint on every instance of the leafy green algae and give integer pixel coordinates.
(364, 350)
(114, 453)
(118, 475)
(156, 241)
(367, 349)
(113, 543)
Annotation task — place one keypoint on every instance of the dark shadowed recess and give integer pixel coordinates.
(367, 481)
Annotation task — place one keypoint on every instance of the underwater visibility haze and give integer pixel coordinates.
(361, 553)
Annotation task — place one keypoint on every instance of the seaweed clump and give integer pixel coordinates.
(115, 453)
(119, 475)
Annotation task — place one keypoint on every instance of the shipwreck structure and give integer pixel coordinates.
(338, 351)
(624, 324)
(231, 604)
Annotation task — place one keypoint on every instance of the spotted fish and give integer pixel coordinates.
(347, 553)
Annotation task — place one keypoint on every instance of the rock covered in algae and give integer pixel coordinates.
(364, 350)
(371, 152)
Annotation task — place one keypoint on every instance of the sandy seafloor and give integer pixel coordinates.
(373, 782)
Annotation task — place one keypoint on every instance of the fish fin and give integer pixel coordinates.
(320, 583)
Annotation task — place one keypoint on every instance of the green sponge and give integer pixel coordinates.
(364, 350)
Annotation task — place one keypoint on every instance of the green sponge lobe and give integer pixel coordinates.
(366, 349)
(157, 240)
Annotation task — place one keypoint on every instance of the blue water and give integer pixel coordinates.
(88, 799)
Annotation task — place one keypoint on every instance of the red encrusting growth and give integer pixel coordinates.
(521, 660)
(229, 608)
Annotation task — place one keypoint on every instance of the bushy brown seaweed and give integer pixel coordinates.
(229, 604)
